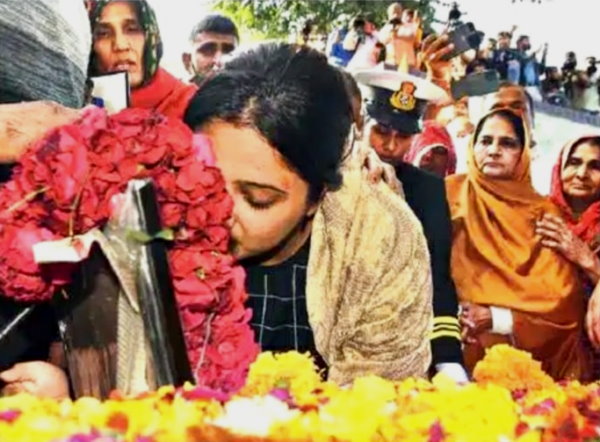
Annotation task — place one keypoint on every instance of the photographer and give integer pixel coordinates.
(336, 53)
(505, 59)
(401, 36)
(585, 92)
(530, 67)
(362, 39)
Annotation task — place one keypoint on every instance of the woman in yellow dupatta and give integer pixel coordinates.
(512, 289)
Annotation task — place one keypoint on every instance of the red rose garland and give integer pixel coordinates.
(63, 186)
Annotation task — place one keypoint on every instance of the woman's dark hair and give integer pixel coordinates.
(352, 88)
(515, 121)
(293, 98)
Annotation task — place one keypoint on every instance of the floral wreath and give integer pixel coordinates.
(63, 186)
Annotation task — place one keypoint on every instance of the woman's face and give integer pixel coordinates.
(389, 144)
(119, 42)
(497, 149)
(270, 199)
(408, 15)
(581, 173)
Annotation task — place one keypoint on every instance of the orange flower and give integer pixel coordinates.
(512, 369)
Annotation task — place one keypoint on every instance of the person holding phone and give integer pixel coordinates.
(363, 40)
(402, 38)
(126, 37)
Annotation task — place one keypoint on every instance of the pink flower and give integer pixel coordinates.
(66, 184)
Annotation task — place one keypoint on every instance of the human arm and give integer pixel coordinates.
(386, 34)
(434, 216)
(377, 170)
(23, 123)
(38, 378)
(439, 71)
(557, 236)
(408, 30)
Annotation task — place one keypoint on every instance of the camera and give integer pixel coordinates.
(476, 84)
(464, 38)
(358, 24)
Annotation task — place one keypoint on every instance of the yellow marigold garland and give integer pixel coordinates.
(285, 400)
(511, 368)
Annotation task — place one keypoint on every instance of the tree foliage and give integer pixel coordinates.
(280, 18)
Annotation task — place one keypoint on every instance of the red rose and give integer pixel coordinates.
(62, 165)
(93, 120)
(172, 214)
(194, 320)
(234, 347)
(133, 121)
(197, 216)
(20, 276)
(220, 206)
(67, 183)
(106, 149)
(195, 181)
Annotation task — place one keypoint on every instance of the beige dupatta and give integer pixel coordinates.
(369, 289)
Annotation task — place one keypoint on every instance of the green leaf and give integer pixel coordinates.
(266, 19)
(144, 238)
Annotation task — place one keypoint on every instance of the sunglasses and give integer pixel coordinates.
(211, 48)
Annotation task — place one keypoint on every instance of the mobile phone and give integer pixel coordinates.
(464, 38)
(473, 85)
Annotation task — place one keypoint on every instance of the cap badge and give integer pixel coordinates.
(404, 98)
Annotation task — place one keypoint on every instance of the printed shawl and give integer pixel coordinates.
(369, 289)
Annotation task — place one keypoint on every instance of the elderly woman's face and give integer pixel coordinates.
(119, 41)
(270, 199)
(581, 173)
(497, 148)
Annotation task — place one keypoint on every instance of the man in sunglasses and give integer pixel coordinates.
(211, 40)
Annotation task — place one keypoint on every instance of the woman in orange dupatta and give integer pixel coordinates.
(512, 288)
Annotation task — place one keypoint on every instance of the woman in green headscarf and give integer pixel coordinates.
(126, 38)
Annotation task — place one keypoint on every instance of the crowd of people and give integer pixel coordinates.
(362, 42)
(370, 238)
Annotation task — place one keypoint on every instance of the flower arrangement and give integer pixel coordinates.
(64, 186)
(371, 409)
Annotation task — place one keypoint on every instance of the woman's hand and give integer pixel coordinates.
(433, 49)
(475, 319)
(592, 318)
(377, 170)
(556, 235)
(38, 378)
(24, 123)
